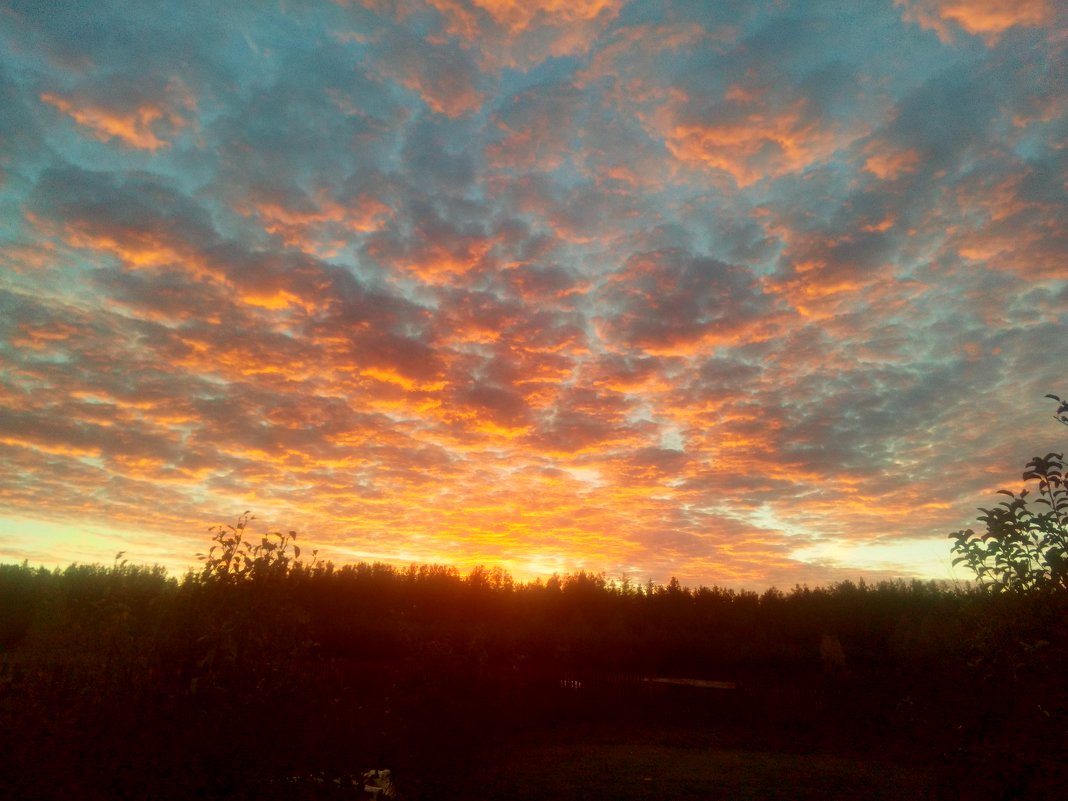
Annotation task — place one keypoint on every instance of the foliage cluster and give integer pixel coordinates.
(1025, 543)
(233, 557)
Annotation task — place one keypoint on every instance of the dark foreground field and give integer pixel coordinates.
(631, 764)
(119, 683)
(515, 743)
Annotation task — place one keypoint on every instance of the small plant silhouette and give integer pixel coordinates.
(235, 558)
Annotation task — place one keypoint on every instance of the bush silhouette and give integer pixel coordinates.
(234, 557)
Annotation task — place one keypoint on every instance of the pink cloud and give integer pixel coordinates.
(988, 19)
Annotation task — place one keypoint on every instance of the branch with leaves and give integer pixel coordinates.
(1025, 544)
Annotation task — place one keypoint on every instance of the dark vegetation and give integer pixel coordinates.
(121, 682)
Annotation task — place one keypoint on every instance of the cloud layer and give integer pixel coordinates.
(737, 294)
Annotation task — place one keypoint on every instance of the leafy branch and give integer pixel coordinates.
(1025, 544)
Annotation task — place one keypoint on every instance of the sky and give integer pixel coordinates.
(744, 293)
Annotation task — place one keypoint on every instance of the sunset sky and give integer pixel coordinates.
(746, 293)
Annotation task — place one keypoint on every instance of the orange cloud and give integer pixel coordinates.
(391, 376)
(627, 70)
(43, 338)
(321, 228)
(53, 448)
(887, 164)
(988, 19)
(441, 73)
(1003, 224)
(273, 301)
(135, 248)
(149, 125)
(1036, 250)
(522, 32)
(748, 139)
(449, 94)
(520, 14)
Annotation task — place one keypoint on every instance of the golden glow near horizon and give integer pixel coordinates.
(745, 296)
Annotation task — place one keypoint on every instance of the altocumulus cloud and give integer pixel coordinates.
(740, 294)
